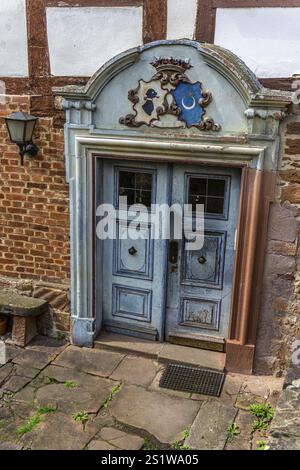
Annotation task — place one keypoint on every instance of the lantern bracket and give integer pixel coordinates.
(29, 149)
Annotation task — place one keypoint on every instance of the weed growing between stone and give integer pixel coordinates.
(232, 432)
(264, 413)
(110, 397)
(35, 420)
(81, 417)
(70, 384)
(180, 445)
(148, 445)
(262, 445)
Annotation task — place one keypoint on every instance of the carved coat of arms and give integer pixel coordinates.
(170, 93)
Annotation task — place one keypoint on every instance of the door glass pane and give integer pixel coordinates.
(215, 205)
(136, 186)
(216, 188)
(198, 186)
(210, 192)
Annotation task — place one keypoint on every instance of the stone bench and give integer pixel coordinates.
(24, 312)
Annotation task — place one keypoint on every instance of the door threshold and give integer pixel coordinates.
(199, 341)
(161, 352)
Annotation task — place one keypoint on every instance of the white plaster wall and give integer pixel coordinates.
(181, 19)
(82, 39)
(267, 39)
(13, 39)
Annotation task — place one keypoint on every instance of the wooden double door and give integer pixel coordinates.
(157, 288)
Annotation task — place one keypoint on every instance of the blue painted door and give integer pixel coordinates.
(135, 271)
(200, 281)
(156, 289)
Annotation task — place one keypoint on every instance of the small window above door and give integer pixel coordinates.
(138, 186)
(212, 191)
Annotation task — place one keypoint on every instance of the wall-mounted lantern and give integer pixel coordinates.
(20, 128)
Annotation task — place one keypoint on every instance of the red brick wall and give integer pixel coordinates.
(34, 204)
(34, 217)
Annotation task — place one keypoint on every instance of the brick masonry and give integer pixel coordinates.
(34, 230)
(34, 216)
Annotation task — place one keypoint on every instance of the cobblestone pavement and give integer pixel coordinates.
(55, 396)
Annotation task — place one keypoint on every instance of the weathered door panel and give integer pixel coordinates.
(134, 271)
(199, 282)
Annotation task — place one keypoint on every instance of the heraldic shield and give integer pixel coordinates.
(151, 98)
(188, 98)
(170, 92)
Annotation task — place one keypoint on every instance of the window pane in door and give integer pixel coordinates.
(216, 188)
(137, 186)
(209, 191)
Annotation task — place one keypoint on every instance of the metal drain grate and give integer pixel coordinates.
(193, 380)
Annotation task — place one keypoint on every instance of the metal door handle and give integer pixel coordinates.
(132, 251)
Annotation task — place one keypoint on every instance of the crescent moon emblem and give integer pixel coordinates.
(188, 108)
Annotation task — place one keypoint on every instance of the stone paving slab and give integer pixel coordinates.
(12, 351)
(26, 395)
(136, 370)
(57, 431)
(15, 384)
(100, 445)
(210, 428)
(5, 372)
(25, 371)
(121, 440)
(8, 426)
(243, 441)
(102, 363)
(9, 446)
(29, 357)
(5, 414)
(264, 388)
(282, 442)
(77, 392)
(22, 410)
(245, 399)
(47, 345)
(162, 416)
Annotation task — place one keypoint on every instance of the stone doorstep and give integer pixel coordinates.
(161, 352)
